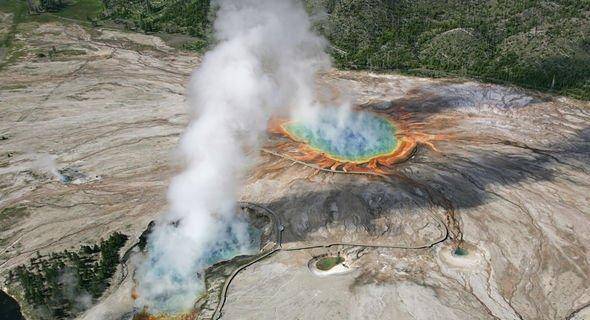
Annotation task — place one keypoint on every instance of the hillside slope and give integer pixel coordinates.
(543, 45)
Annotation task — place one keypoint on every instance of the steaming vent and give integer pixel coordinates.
(167, 305)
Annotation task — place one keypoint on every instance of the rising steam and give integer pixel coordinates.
(266, 60)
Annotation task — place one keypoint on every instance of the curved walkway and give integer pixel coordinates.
(278, 247)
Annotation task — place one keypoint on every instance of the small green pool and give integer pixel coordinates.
(460, 252)
(327, 263)
(359, 138)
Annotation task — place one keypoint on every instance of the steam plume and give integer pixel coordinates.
(266, 59)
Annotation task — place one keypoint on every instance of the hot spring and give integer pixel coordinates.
(356, 137)
(173, 290)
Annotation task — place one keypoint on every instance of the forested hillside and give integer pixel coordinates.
(63, 284)
(543, 45)
(539, 44)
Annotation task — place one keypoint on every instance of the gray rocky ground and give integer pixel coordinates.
(512, 168)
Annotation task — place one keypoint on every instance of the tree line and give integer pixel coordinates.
(62, 284)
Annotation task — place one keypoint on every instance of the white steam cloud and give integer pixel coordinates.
(265, 61)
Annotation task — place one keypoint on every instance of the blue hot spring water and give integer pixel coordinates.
(358, 138)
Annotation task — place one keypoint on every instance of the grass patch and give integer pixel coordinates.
(19, 12)
(12, 55)
(12, 6)
(13, 86)
(10, 50)
(327, 263)
(10, 215)
(82, 10)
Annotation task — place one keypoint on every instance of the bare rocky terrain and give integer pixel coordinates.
(96, 107)
(509, 176)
